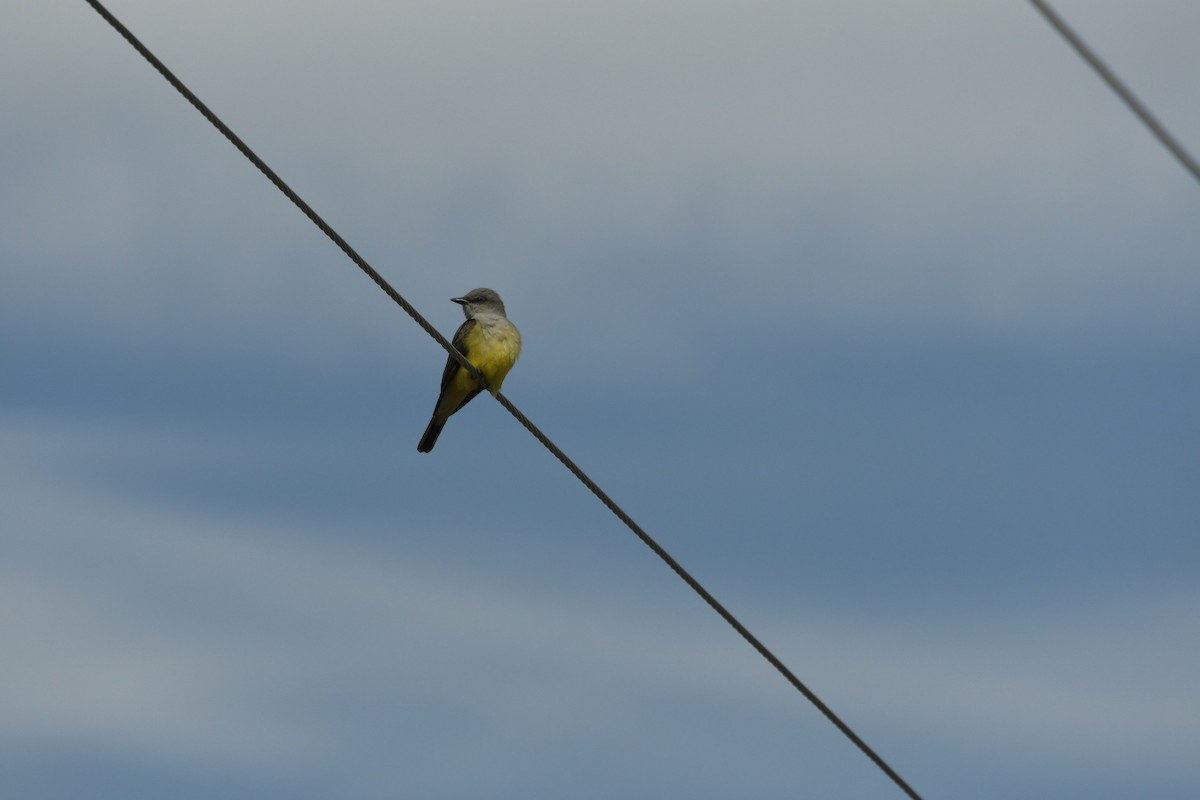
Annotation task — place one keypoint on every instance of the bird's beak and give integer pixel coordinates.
(462, 301)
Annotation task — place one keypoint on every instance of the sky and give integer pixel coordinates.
(883, 319)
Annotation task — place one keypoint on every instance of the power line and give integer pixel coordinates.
(592, 486)
(1115, 83)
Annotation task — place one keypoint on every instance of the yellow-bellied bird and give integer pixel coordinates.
(490, 342)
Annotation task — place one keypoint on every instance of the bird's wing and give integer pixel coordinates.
(460, 344)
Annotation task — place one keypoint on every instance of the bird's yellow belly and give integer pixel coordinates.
(493, 353)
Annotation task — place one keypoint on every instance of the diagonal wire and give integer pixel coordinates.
(708, 598)
(1116, 84)
(274, 178)
(362, 264)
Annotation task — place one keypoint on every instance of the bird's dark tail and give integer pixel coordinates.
(429, 439)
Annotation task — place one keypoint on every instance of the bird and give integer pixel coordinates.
(490, 342)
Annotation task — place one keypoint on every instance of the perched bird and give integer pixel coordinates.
(490, 342)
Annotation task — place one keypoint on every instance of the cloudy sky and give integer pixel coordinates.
(883, 318)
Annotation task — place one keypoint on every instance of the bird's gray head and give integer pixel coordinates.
(480, 301)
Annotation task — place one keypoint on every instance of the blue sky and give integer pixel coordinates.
(882, 318)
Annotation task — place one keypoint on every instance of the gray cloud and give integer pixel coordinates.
(889, 169)
(235, 642)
